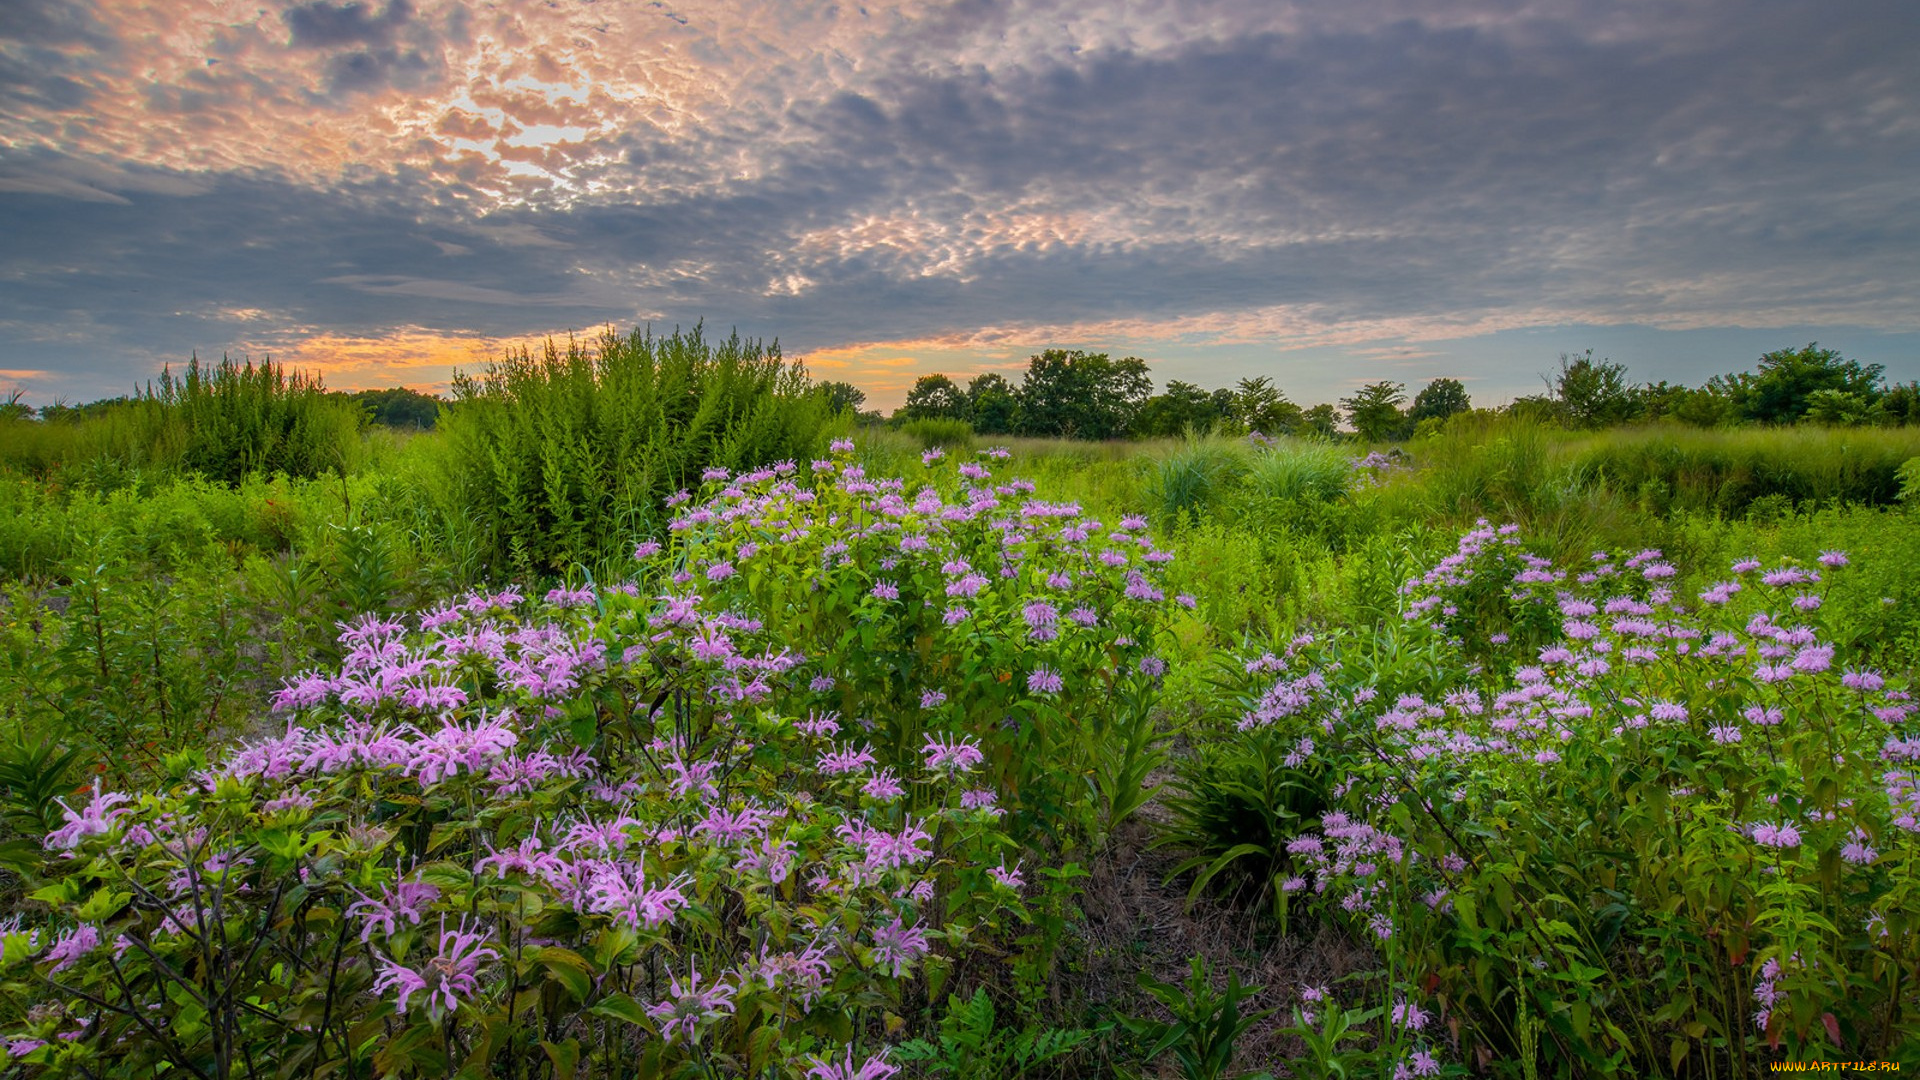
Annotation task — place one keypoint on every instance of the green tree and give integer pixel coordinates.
(1079, 395)
(1224, 402)
(1375, 412)
(1594, 393)
(1258, 405)
(1655, 400)
(1838, 408)
(842, 397)
(1322, 420)
(1781, 390)
(1180, 407)
(1899, 406)
(935, 397)
(993, 403)
(1717, 403)
(399, 407)
(1441, 398)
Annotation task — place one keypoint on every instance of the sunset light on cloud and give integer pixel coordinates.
(1324, 191)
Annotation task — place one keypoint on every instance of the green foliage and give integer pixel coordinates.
(1615, 832)
(400, 407)
(842, 396)
(1126, 760)
(1299, 474)
(123, 665)
(1438, 400)
(1236, 805)
(1838, 408)
(954, 435)
(566, 458)
(33, 774)
(970, 1045)
(1596, 929)
(1187, 483)
(1725, 471)
(1326, 1029)
(1594, 393)
(993, 404)
(1782, 389)
(1181, 409)
(935, 397)
(922, 608)
(1322, 420)
(1079, 395)
(1206, 1022)
(223, 423)
(1374, 411)
(1259, 406)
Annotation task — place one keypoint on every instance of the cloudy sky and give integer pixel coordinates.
(1326, 192)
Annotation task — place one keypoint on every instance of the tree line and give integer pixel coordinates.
(1081, 395)
(1075, 394)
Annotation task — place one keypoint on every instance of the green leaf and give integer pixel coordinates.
(102, 903)
(569, 969)
(761, 1046)
(565, 1057)
(622, 1007)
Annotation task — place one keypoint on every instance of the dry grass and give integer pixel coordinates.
(1138, 921)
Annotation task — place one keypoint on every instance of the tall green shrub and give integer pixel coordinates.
(236, 420)
(567, 457)
(224, 422)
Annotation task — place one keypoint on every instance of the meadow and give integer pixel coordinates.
(648, 717)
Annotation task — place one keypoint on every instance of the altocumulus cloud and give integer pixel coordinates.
(1247, 177)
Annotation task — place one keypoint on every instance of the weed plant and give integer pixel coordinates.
(567, 458)
(224, 423)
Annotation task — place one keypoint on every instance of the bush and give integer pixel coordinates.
(223, 423)
(567, 458)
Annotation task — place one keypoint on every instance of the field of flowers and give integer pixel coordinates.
(813, 784)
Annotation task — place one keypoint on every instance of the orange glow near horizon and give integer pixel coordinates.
(421, 360)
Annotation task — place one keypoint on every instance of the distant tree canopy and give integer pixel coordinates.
(1080, 395)
(1182, 407)
(993, 404)
(399, 407)
(1259, 406)
(1323, 421)
(1791, 382)
(1594, 393)
(1441, 398)
(1075, 394)
(842, 396)
(935, 397)
(1374, 411)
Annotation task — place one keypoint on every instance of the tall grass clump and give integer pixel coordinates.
(222, 422)
(1301, 471)
(1672, 468)
(568, 457)
(939, 431)
(1194, 479)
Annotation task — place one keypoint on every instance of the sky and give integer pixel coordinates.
(1323, 192)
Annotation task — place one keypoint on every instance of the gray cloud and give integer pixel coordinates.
(368, 51)
(320, 25)
(1043, 164)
